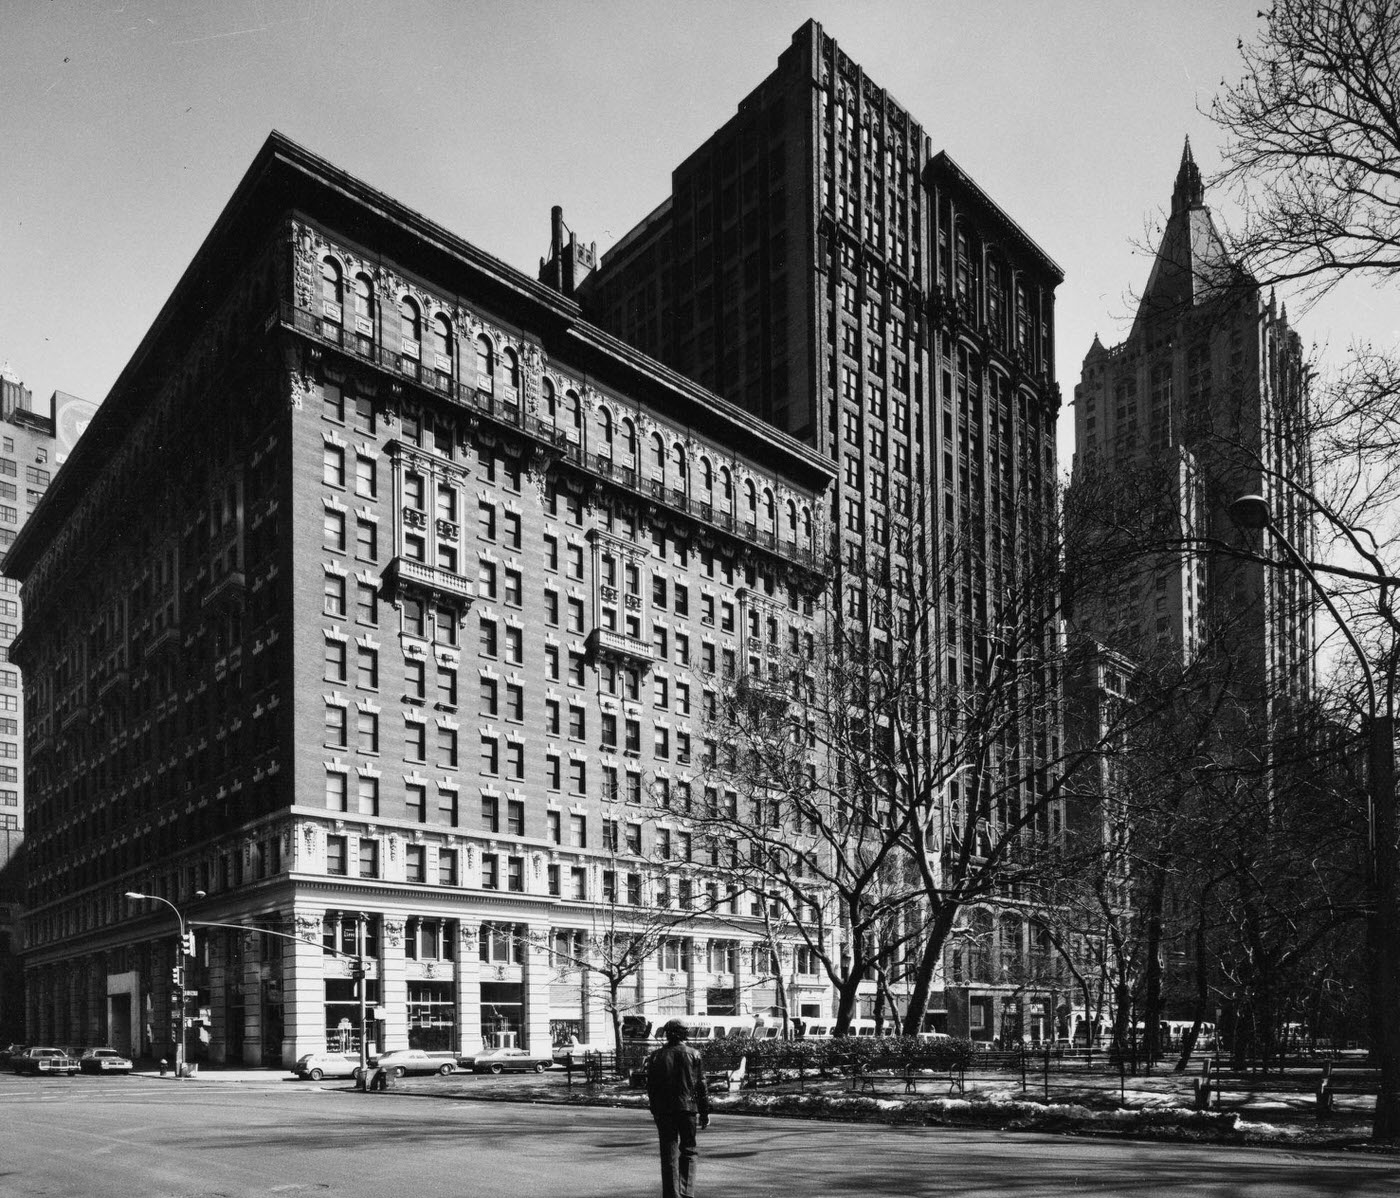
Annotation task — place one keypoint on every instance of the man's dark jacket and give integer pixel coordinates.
(676, 1082)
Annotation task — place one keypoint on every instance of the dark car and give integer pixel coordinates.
(103, 1060)
(404, 1061)
(11, 1051)
(512, 1060)
(40, 1061)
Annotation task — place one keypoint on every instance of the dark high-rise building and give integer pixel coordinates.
(1206, 397)
(816, 264)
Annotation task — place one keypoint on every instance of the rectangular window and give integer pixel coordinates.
(447, 748)
(515, 817)
(415, 863)
(334, 527)
(515, 645)
(336, 856)
(367, 726)
(447, 867)
(336, 732)
(333, 466)
(366, 477)
(490, 872)
(369, 858)
(490, 813)
(515, 702)
(335, 661)
(512, 530)
(515, 873)
(366, 604)
(415, 801)
(334, 604)
(553, 831)
(367, 795)
(415, 741)
(367, 668)
(337, 791)
(367, 540)
(490, 755)
(447, 687)
(577, 724)
(515, 760)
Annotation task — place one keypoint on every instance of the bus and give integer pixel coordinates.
(702, 1028)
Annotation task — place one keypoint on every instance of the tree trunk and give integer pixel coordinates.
(929, 959)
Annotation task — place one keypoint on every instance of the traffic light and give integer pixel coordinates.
(177, 975)
(188, 941)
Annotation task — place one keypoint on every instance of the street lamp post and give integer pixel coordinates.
(184, 947)
(1383, 922)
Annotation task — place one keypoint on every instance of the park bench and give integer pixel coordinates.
(728, 1079)
(864, 1080)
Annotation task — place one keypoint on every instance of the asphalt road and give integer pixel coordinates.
(146, 1138)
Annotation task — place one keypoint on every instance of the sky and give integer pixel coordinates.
(128, 124)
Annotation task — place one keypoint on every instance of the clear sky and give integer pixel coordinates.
(127, 124)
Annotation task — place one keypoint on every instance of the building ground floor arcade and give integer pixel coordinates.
(279, 986)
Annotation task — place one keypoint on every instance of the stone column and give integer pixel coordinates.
(699, 958)
(534, 973)
(743, 998)
(468, 988)
(251, 982)
(218, 995)
(304, 987)
(393, 984)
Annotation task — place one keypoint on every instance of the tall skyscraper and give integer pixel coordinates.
(816, 264)
(1205, 399)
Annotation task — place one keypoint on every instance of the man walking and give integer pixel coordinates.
(680, 1104)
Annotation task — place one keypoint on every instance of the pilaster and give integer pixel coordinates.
(393, 985)
(468, 988)
(535, 975)
(304, 987)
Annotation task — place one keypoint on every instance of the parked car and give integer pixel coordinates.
(511, 1060)
(39, 1061)
(403, 1061)
(9, 1053)
(103, 1060)
(316, 1065)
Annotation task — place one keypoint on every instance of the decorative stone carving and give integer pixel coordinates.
(393, 932)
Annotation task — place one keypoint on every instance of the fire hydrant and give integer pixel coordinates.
(164, 1065)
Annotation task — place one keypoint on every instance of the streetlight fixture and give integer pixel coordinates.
(1383, 933)
(184, 948)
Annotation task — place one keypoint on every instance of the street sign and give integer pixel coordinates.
(191, 993)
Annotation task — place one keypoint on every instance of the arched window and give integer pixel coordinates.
(551, 405)
(332, 288)
(605, 427)
(807, 527)
(658, 452)
(707, 476)
(770, 511)
(726, 486)
(364, 303)
(410, 325)
(485, 364)
(750, 501)
(678, 462)
(629, 437)
(510, 375)
(442, 342)
(792, 520)
(573, 409)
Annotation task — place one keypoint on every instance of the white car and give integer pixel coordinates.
(316, 1065)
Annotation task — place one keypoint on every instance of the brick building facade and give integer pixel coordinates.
(386, 617)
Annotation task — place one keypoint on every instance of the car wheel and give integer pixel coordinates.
(315, 1075)
(540, 1067)
(444, 1070)
(399, 1071)
(495, 1069)
(357, 1073)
